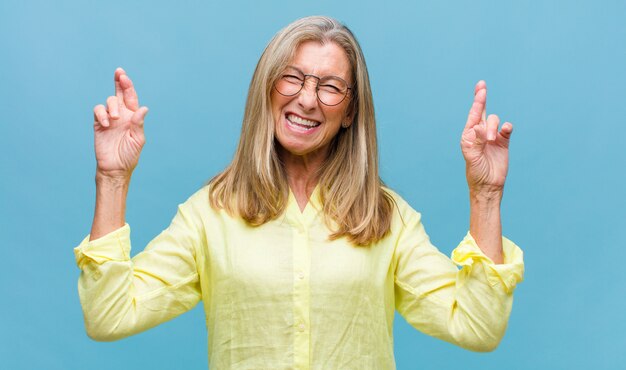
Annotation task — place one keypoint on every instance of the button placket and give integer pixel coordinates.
(301, 297)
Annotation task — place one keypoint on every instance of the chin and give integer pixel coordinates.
(298, 149)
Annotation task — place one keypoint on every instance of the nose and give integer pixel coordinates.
(307, 98)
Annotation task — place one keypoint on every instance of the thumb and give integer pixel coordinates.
(139, 116)
(480, 130)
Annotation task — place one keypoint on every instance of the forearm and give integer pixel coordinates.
(110, 211)
(485, 222)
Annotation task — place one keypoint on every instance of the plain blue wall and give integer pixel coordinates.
(557, 70)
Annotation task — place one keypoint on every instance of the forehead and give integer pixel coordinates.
(327, 59)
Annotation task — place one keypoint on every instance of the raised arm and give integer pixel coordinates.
(469, 307)
(119, 138)
(486, 153)
(120, 296)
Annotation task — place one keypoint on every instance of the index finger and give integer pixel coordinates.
(482, 85)
(477, 111)
(118, 88)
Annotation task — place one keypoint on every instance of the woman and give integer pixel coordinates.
(298, 252)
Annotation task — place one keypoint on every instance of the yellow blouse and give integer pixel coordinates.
(282, 296)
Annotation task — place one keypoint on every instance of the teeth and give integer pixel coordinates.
(301, 121)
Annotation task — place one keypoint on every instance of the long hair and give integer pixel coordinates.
(254, 186)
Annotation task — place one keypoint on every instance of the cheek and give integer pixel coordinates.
(277, 103)
(275, 106)
(336, 115)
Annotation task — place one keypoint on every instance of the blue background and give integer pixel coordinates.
(557, 70)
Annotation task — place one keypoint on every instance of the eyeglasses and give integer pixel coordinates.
(330, 90)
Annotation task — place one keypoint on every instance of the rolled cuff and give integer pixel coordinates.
(114, 246)
(507, 274)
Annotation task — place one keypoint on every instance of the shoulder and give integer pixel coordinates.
(198, 202)
(198, 198)
(401, 207)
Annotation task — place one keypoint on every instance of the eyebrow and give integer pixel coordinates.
(299, 70)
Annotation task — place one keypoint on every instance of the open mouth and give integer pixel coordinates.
(301, 123)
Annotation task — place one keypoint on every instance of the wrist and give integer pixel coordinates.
(486, 194)
(116, 180)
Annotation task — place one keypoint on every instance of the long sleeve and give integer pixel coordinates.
(469, 306)
(122, 297)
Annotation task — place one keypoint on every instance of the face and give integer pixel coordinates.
(303, 125)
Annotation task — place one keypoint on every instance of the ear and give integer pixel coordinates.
(347, 121)
(350, 113)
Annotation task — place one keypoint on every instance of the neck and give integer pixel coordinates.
(302, 173)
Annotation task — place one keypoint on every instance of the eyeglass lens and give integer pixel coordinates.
(331, 90)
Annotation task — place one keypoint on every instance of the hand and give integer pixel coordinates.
(118, 130)
(486, 151)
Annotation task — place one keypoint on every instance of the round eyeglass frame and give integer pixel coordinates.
(317, 88)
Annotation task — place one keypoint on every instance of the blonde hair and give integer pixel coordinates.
(255, 186)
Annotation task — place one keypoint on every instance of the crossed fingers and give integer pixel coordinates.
(125, 97)
(486, 128)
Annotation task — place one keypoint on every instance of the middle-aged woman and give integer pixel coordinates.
(297, 250)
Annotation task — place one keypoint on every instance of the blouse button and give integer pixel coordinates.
(301, 275)
(301, 327)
